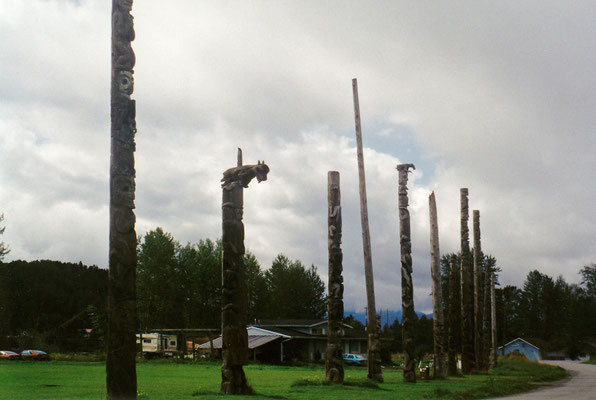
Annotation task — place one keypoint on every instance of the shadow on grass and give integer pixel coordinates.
(363, 383)
(199, 393)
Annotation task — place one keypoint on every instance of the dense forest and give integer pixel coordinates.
(62, 306)
(50, 303)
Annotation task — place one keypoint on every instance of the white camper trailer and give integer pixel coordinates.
(158, 344)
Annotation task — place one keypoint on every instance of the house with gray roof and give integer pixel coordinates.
(293, 340)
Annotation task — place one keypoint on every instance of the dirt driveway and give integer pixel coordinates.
(581, 385)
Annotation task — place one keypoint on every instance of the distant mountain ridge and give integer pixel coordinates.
(392, 315)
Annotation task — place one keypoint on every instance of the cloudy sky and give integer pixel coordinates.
(499, 97)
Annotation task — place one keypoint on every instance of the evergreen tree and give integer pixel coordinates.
(4, 250)
(159, 282)
(294, 291)
(588, 274)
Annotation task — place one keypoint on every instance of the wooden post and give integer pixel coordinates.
(121, 377)
(478, 293)
(453, 300)
(234, 298)
(373, 352)
(493, 313)
(435, 269)
(467, 301)
(486, 316)
(407, 287)
(334, 370)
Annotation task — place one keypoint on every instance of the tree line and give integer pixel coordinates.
(53, 303)
(180, 286)
(50, 303)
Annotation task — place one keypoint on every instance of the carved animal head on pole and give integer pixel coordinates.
(244, 174)
(261, 171)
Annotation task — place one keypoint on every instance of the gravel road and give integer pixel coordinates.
(581, 385)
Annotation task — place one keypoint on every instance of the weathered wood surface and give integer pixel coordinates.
(467, 301)
(373, 351)
(486, 316)
(234, 297)
(439, 368)
(453, 306)
(334, 370)
(493, 317)
(478, 294)
(407, 287)
(121, 378)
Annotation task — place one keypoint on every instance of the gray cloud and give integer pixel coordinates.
(497, 97)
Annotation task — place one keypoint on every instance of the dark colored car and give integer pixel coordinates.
(34, 355)
(9, 355)
(354, 359)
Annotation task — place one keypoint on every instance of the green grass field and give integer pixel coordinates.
(159, 380)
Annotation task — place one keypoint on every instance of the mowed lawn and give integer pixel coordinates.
(86, 380)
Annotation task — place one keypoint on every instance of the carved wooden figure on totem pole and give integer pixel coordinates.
(478, 294)
(121, 379)
(467, 288)
(407, 288)
(234, 292)
(334, 370)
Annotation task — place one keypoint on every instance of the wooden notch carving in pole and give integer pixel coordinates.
(373, 352)
(334, 370)
(435, 268)
(407, 286)
(234, 297)
(121, 377)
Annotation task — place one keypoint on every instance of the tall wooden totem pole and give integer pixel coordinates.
(435, 269)
(407, 287)
(493, 320)
(334, 370)
(486, 316)
(373, 351)
(490, 264)
(453, 305)
(467, 300)
(234, 296)
(121, 378)
(478, 294)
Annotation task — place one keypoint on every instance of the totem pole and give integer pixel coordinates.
(478, 293)
(334, 369)
(234, 297)
(407, 288)
(451, 342)
(486, 316)
(493, 318)
(435, 269)
(373, 351)
(121, 376)
(467, 301)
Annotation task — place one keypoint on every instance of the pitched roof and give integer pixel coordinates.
(253, 341)
(303, 323)
(520, 339)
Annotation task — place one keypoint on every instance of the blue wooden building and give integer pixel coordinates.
(522, 346)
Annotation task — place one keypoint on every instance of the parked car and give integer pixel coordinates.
(354, 359)
(34, 355)
(9, 355)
